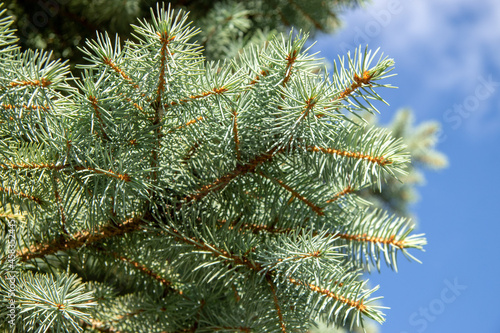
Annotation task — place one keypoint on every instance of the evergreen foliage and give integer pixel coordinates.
(421, 141)
(164, 193)
(226, 28)
(226, 25)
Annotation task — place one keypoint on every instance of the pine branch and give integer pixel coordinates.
(84, 238)
(236, 183)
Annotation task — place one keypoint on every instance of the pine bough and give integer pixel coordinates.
(162, 193)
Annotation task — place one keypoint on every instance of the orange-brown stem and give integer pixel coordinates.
(26, 107)
(215, 91)
(290, 61)
(347, 190)
(191, 122)
(143, 269)
(216, 252)
(354, 304)
(318, 210)
(374, 159)
(372, 239)
(41, 83)
(191, 152)
(11, 191)
(235, 133)
(240, 170)
(256, 228)
(118, 70)
(125, 177)
(82, 238)
(51, 166)
(93, 100)
(358, 82)
(60, 206)
(257, 77)
(276, 302)
(165, 40)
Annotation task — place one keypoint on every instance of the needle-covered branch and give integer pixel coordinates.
(193, 195)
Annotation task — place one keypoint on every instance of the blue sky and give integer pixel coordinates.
(447, 55)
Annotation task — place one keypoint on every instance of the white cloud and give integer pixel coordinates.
(444, 45)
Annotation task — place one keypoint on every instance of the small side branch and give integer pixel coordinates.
(216, 252)
(256, 228)
(372, 239)
(191, 122)
(25, 107)
(240, 170)
(290, 58)
(32, 166)
(93, 100)
(125, 177)
(354, 304)
(143, 269)
(358, 82)
(191, 152)
(257, 77)
(215, 91)
(345, 191)
(59, 204)
(118, 70)
(318, 210)
(11, 191)
(40, 83)
(235, 133)
(276, 303)
(83, 238)
(374, 159)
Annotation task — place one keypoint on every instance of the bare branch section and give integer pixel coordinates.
(354, 304)
(374, 159)
(235, 133)
(215, 91)
(318, 210)
(143, 269)
(125, 177)
(118, 70)
(366, 238)
(240, 170)
(358, 82)
(337, 196)
(82, 238)
(11, 191)
(22, 83)
(216, 252)
(276, 303)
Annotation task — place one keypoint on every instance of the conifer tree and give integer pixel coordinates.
(421, 140)
(226, 28)
(226, 25)
(164, 193)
